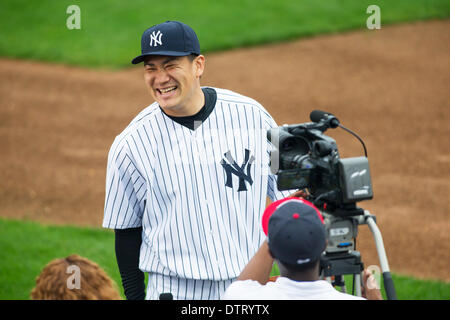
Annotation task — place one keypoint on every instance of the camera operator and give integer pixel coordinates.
(296, 240)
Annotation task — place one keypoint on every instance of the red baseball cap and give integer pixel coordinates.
(295, 230)
(272, 207)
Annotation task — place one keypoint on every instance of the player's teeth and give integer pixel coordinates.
(167, 90)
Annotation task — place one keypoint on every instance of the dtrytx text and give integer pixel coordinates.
(238, 309)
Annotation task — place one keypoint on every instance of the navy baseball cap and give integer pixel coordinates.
(171, 38)
(295, 230)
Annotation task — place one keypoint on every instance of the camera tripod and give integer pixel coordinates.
(341, 259)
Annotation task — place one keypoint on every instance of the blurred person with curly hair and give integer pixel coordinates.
(94, 284)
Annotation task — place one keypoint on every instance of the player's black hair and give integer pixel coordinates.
(192, 57)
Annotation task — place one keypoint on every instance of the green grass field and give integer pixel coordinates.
(26, 247)
(111, 29)
(110, 36)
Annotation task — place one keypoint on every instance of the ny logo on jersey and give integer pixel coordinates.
(231, 167)
(155, 39)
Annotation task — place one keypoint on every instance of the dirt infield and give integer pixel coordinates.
(389, 85)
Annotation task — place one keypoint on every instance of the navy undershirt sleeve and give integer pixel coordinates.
(127, 246)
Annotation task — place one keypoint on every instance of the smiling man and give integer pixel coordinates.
(174, 83)
(187, 180)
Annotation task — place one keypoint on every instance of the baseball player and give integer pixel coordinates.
(187, 180)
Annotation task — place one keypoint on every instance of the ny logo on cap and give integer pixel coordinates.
(155, 39)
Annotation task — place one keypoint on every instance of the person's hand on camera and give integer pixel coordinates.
(299, 194)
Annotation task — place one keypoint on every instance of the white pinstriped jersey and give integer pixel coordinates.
(198, 194)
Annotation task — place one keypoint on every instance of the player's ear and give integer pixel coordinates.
(199, 65)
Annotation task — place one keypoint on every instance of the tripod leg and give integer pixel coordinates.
(340, 282)
(387, 279)
(357, 284)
